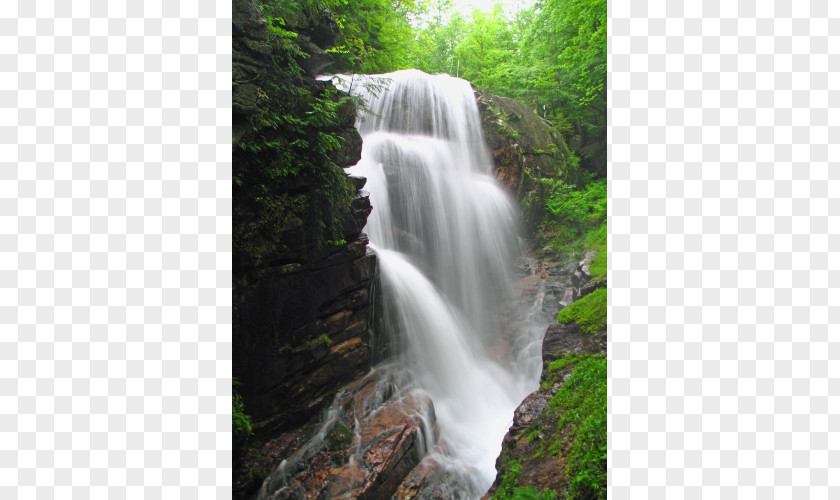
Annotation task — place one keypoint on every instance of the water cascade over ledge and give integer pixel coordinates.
(445, 236)
(455, 351)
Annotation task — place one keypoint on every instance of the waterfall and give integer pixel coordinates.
(446, 239)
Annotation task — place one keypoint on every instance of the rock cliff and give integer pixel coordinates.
(302, 269)
(525, 149)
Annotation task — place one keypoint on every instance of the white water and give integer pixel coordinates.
(445, 236)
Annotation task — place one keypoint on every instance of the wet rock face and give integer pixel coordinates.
(301, 309)
(524, 149)
(431, 480)
(373, 436)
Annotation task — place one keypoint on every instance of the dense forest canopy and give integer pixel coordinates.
(551, 54)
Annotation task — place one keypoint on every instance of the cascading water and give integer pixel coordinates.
(445, 236)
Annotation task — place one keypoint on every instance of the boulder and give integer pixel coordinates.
(524, 150)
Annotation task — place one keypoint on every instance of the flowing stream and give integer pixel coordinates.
(446, 239)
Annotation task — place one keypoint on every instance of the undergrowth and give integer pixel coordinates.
(575, 220)
(580, 407)
(509, 481)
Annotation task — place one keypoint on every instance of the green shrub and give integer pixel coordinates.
(572, 211)
(581, 207)
(589, 312)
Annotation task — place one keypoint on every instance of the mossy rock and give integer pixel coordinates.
(589, 312)
(339, 438)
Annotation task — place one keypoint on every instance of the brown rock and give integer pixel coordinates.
(390, 443)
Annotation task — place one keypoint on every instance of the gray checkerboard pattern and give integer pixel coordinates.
(725, 238)
(115, 269)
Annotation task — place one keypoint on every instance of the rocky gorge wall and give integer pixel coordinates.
(302, 273)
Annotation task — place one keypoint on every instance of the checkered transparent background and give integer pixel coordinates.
(115, 249)
(115, 264)
(725, 238)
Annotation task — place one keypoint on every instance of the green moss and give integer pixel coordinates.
(508, 490)
(596, 240)
(340, 438)
(598, 266)
(283, 349)
(530, 493)
(319, 342)
(561, 363)
(580, 410)
(513, 134)
(589, 312)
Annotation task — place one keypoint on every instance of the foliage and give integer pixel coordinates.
(573, 211)
(289, 147)
(530, 493)
(580, 208)
(562, 362)
(581, 409)
(589, 312)
(552, 55)
(596, 239)
(510, 478)
(376, 35)
(241, 421)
